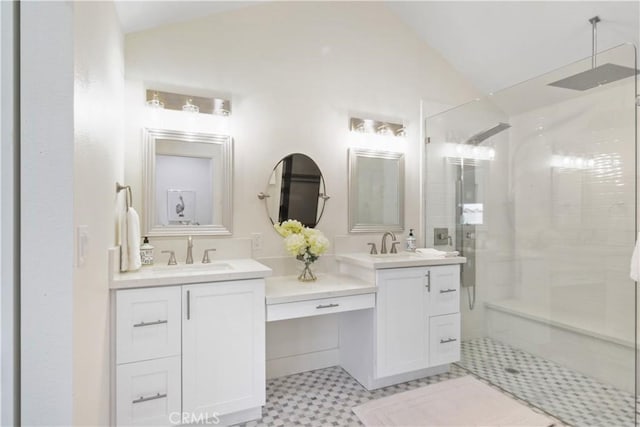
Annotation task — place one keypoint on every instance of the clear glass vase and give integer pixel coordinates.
(307, 275)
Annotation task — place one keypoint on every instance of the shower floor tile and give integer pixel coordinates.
(571, 396)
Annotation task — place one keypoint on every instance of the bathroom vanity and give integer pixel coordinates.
(188, 343)
(414, 330)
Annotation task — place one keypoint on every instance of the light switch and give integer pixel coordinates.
(82, 244)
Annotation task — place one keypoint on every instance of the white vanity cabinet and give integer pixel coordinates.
(223, 347)
(414, 330)
(184, 354)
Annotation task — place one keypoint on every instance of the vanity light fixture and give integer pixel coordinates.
(194, 104)
(190, 107)
(155, 102)
(376, 126)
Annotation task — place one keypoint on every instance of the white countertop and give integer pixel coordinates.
(167, 275)
(284, 289)
(399, 260)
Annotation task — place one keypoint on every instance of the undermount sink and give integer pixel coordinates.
(213, 266)
(398, 255)
(399, 260)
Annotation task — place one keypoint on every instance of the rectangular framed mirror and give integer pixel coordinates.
(376, 191)
(187, 183)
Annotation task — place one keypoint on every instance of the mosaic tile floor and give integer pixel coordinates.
(573, 397)
(325, 397)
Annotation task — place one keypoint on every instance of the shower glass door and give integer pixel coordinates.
(537, 186)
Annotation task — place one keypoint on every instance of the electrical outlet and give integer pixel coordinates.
(256, 241)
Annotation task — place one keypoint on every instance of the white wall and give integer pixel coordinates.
(47, 173)
(296, 72)
(98, 164)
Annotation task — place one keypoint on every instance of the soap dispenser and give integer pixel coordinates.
(146, 252)
(411, 241)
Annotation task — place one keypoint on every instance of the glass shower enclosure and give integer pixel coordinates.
(537, 187)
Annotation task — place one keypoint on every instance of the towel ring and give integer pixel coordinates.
(128, 196)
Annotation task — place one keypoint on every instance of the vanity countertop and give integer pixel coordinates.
(399, 260)
(167, 275)
(285, 289)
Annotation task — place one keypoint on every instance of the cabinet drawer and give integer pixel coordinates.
(148, 393)
(148, 323)
(444, 339)
(444, 294)
(319, 306)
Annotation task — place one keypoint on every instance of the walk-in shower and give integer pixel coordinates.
(537, 186)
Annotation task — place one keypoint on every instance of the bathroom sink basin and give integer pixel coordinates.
(399, 260)
(211, 267)
(398, 255)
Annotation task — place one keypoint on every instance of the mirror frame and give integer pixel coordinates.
(224, 228)
(321, 195)
(354, 225)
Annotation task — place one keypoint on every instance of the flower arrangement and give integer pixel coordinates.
(306, 244)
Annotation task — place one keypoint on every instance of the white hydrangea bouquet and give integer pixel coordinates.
(306, 244)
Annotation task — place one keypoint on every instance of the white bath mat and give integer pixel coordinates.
(461, 402)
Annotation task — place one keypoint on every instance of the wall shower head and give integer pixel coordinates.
(597, 75)
(481, 136)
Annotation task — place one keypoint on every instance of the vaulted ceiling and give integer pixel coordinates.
(493, 44)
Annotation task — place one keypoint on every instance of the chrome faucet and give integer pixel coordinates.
(189, 250)
(383, 247)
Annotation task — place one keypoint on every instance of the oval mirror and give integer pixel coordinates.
(295, 190)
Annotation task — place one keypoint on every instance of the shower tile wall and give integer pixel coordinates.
(574, 228)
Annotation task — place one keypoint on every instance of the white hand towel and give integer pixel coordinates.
(635, 261)
(431, 252)
(124, 242)
(133, 239)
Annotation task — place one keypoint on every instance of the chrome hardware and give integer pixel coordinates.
(383, 247)
(373, 250)
(444, 291)
(448, 340)
(146, 399)
(157, 322)
(188, 305)
(324, 196)
(172, 257)
(205, 257)
(189, 250)
(394, 250)
(428, 276)
(262, 195)
(327, 306)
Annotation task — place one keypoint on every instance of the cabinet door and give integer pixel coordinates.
(444, 295)
(401, 321)
(148, 393)
(223, 347)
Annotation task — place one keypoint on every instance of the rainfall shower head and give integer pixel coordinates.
(597, 75)
(479, 137)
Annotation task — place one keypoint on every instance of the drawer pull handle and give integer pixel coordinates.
(444, 291)
(327, 306)
(448, 340)
(157, 322)
(428, 285)
(146, 399)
